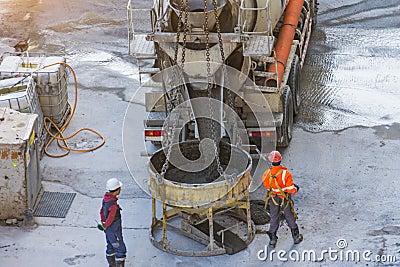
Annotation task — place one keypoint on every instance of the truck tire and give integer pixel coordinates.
(259, 215)
(156, 143)
(314, 11)
(294, 84)
(286, 129)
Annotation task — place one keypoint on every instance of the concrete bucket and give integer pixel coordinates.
(200, 204)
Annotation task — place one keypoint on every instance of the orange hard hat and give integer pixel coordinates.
(274, 156)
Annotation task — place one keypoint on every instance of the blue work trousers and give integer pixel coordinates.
(115, 241)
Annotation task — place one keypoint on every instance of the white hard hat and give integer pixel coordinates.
(113, 184)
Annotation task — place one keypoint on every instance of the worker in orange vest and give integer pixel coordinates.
(279, 183)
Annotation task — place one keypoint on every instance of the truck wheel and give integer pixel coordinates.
(156, 143)
(287, 123)
(294, 83)
(314, 11)
(259, 215)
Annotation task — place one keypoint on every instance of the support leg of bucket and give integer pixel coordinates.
(249, 229)
(153, 211)
(164, 223)
(211, 227)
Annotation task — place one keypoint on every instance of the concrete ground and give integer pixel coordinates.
(345, 193)
(348, 177)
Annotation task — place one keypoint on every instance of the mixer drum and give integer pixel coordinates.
(196, 11)
(195, 189)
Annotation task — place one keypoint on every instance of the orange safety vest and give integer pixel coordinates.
(279, 180)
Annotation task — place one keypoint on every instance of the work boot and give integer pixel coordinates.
(111, 261)
(273, 238)
(297, 237)
(120, 263)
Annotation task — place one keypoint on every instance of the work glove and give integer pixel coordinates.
(101, 227)
(297, 187)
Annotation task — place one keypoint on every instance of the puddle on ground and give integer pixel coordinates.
(387, 230)
(349, 79)
(388, 132)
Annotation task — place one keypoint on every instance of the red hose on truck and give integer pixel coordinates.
(285, 40)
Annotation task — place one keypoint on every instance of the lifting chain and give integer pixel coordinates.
(183, 8)
(169, 143)
(176, 95)
(209, 90)
(226, 85)
(186, 28)
(176, 92)
(221, 47)
(178, 33)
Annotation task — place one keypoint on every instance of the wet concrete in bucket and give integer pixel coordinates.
(195, 167)
(204, 176)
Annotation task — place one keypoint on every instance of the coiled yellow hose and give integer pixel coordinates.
(59, 136)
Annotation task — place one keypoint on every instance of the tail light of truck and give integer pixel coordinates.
(262, 133)
(153, 132)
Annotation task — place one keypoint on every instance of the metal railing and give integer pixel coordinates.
(243, 23)
(132, 31)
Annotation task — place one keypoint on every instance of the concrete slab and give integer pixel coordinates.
(331, 206)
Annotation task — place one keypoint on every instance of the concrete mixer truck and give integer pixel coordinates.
(265, 40)
(223, 79)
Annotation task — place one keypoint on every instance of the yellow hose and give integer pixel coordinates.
(59, 135)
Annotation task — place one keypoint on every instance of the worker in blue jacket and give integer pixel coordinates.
(110, 214)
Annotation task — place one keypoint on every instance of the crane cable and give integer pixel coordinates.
(59, 135)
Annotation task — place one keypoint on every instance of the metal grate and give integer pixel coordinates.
(258, 46)
(54, 204)
(142, 47)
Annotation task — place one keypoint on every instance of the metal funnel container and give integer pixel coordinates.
(196, 11)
